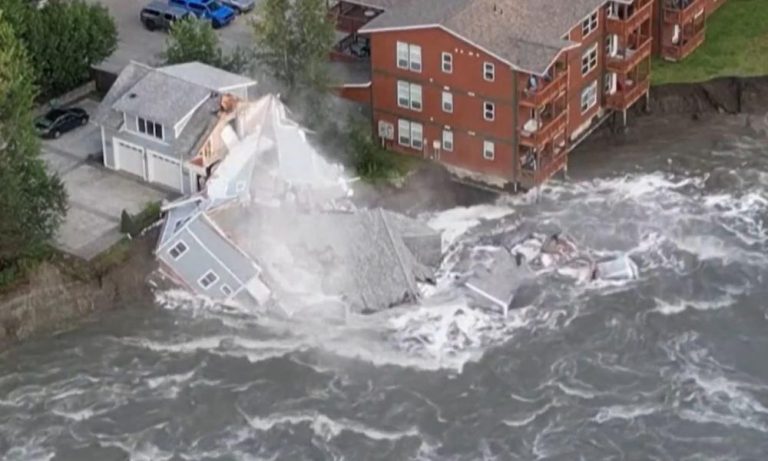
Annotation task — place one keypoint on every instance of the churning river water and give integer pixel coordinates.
(671, 366)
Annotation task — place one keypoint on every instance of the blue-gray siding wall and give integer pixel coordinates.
(238, 262)
(195, 263)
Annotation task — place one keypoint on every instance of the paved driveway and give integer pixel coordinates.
(97, 196)
(138, 44)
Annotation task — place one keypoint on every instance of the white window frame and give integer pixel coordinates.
(447, 140)
(414, 57)
(409, 95)
(446, 62)
(414, 132)
(608, 86)
(589, 60)
(205, 276)
(489, 71)
(588, 96)
(401, 57)
(226, 290)
(417, 142)
(151, 128)
(404, 127)
(489, 111)
(489, 150)
(590, 24)
(447, 102)
(179, 253)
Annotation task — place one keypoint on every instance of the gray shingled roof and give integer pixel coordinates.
(130, 75)
(528, 34)
(209, 77)
(162, 98)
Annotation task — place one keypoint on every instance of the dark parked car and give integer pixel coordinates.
(240, 6)
(59, 121)
(159, 15)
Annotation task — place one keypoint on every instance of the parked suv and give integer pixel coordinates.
(159, 15)
(218, 14)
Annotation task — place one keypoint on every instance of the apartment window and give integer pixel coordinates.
(608, 82)
(611, 44)
(408, 95)
(150, 128)
(208, 279)
(448, 140)
(489, 150)
(489, 71)
(612, 10)
(226, 290)
(414, 55)
(178, 250)
(447, 61)
(589, 60)
(410, 134)
(402, 55)
(447, 101)
(589, 24)
(489, 111)
(589, 96)
(409, 56)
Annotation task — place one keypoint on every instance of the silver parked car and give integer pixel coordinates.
(240, 6)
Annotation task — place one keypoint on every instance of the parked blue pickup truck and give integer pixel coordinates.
(211, 10)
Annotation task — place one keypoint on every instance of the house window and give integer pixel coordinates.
(410, 134)
(447, 63)
(611, 44)
(489, 111)
(448, 140)
(489, 71)
(447, 102)
(589, 60)
(178, 250)
(612, 10)
(150, 128)
(489, 150)
(408, 95)
(589, 24)
(608, 83)
(225, 289)
(208, 279)
(409, 56)
(589, 96)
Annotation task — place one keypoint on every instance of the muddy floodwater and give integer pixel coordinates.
(671, 366)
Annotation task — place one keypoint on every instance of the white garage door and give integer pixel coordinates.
(164, 170)
(129, 157)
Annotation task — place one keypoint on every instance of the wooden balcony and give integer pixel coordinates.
(623, 27)
(546, 132)
(627, 60)
(679, 52)
(548, 92)
(624, 98)
(685, 14)
(532, 178)
(350, 17)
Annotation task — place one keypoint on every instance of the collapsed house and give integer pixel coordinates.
(273, 224)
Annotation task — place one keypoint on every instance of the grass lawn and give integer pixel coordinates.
(736, 45)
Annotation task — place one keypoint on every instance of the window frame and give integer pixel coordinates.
(149, 128)
(590, 23)
(417, 142)
(409, 95)
(486, 150)
(400, 124)
(447, 98)
(180, 253)
(486, 111)
(590, 58)
(402, 47)
(414, 50)
(592, 102)
(449, 134)
(205, 276)
(489, 68)
(447, 69)
(225, 289)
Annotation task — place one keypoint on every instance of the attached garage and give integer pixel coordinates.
(164, 170)
(129, 157)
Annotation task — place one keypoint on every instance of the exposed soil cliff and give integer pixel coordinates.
(726, 95)
(62, 292)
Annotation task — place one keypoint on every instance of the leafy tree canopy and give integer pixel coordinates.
(195, 40)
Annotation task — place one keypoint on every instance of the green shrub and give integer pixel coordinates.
(133, 225)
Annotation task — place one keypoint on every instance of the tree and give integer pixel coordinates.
(293, 39)
(195, 40)
(64, 39)
(32, 203)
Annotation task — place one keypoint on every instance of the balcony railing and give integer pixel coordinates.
(685, 12)
(629, 59)
(546, 132)
(678, 52)
(624, 98)
(532, 178)
(623, 27)
(546, 93)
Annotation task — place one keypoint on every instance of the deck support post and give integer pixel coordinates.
(648, 101)
(624, 118)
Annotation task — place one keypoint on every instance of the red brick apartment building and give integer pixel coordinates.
(506, 88)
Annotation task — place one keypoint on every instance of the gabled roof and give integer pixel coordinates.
(206, 76)
(526, 34)
(130, 75)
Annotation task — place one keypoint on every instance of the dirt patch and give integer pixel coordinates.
(725, 95)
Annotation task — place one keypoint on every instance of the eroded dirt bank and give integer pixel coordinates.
(726, 95)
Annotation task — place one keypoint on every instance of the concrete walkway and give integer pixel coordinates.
(97, 196)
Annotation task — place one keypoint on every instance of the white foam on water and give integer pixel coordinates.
(325, 427)
(161, 381)
(80, 415)
(681, 305)
(522, 422)
(456, 222)
(625, 412)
